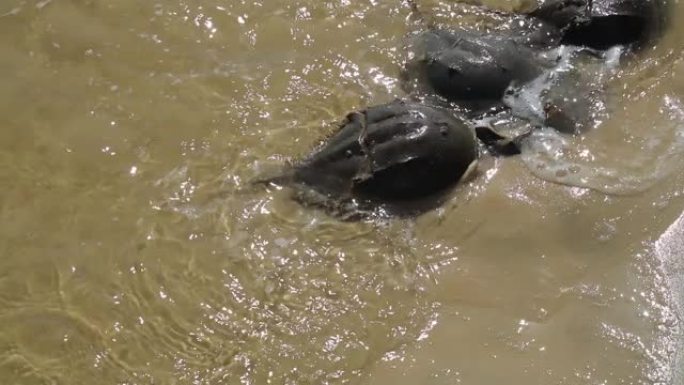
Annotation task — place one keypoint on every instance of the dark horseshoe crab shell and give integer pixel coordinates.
(399, 151)
(468, 68)
(601, 24)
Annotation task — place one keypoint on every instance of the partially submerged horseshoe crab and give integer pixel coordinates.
(395, 152)
(469, 68)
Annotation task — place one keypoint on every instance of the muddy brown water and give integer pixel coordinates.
(134, 251)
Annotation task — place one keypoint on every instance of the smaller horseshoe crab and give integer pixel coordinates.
(394, 153)
(469, 68)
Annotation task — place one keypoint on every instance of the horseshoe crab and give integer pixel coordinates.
(601, 24)
(394, 153)
(468, 68)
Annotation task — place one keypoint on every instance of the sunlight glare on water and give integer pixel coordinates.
(136, 251)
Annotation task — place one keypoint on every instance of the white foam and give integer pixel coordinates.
(591, 164)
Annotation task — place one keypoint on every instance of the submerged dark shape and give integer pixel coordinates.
(524, 29)
(601, 24)
(469, 68)
(395, 152)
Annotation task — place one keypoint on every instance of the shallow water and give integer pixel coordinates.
(134, 250)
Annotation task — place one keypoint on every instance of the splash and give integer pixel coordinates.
(604, 167)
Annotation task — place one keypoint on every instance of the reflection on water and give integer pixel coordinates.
(134, 250)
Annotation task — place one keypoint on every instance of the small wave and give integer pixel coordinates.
(605, 167)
